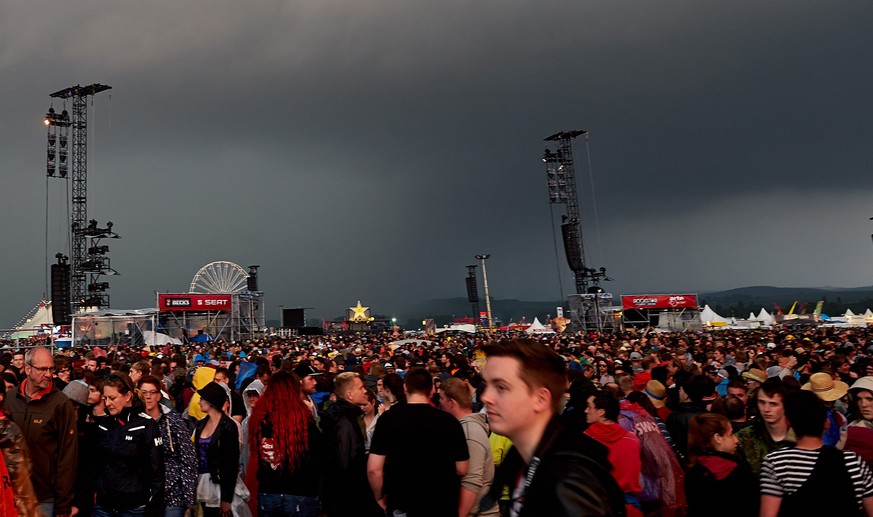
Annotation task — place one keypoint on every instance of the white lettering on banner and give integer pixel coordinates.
(178, 302)
(212, 302)
(676, 300)
(645, 301)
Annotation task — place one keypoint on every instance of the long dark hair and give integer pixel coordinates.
(394, 384)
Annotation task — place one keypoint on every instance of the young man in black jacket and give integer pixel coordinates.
(549, 470)
(347, 491)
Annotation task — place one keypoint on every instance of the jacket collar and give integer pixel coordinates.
(22, 390)
(347, 407)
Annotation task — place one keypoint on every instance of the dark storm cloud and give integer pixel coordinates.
(368, 150)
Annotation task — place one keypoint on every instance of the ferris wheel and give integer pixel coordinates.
(219, 277)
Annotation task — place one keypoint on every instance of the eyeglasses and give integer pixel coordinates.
(40, 369)
(149, 393)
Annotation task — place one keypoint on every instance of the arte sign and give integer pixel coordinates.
(659, 301)
(194, 302)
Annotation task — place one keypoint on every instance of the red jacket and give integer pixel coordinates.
(624, 454)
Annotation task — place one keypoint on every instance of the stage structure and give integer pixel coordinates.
(222, 302)
(673, 312)
(359, 319)
(118, 328)
(88, 257)
(585, 304)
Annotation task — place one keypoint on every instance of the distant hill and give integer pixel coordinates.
(739, 302)
(733, 302)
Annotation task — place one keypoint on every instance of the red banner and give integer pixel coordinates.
(659, 301)
(194, 302)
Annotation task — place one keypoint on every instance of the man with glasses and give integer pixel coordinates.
(48, 422)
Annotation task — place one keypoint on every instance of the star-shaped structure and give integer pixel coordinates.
(360, 314)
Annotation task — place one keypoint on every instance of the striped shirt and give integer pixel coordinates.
(784, 470)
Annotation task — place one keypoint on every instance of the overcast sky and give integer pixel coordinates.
(368, 149)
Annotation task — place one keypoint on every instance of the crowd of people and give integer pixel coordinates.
(604, 424)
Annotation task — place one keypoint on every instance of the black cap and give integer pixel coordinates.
(305, 369)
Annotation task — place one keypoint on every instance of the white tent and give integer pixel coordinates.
(538, 328)
(34, 322)
(868, 312)
(849, 313)
(150, 337)
(709, 317)
(765, 316)
(752, 317)
(466, 327)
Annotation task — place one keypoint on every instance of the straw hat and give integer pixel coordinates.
(755, 374)
(827, 389)
(657, 393)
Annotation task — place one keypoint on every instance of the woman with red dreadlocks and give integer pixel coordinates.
(285, 440)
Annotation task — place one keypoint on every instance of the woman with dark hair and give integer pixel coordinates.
(180, 462)
(370, 417)
(10, 381)
(715, 469)
(604, 371)
(216, 441)
(573, 415)
(130, 470)
(391, 389)
(286, 442)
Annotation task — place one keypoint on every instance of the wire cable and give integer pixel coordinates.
(46, 271)
(594, 203)
(557, 258)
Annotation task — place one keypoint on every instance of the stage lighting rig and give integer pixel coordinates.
(61, 150)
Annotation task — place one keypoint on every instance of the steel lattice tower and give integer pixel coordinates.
(561, 176)
(562, 190)
(79, 212)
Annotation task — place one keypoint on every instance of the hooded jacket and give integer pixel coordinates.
(725, 474)
(624, 454)
(480, 475)
(180, 459)
(202, 376)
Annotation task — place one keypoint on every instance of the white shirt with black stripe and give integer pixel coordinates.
(784, 470)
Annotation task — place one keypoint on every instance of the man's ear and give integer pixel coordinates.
(542, 399)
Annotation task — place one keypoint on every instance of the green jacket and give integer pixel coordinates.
(755, 443)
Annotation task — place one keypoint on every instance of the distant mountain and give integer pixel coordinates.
(737, 302)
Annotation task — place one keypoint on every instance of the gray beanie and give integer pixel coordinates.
(77, 391)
